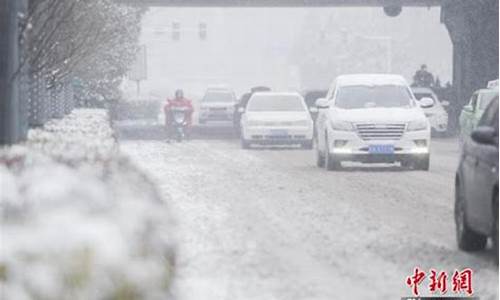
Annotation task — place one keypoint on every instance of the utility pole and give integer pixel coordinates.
(6, 91)
(10, 112)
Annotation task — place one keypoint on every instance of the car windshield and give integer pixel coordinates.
(222, 96)
(354, 97)
(486, 99)
(275, 103)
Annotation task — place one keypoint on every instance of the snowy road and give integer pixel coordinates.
(268, 224)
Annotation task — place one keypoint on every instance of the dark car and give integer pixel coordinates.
(476, 185)
(310, 97)
(243, 104)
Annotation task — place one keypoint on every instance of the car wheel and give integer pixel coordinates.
(320, 158)
(331, 164)
(406, 164)
(307, 145)
(467, 239)
(423, 164)
(495, 228)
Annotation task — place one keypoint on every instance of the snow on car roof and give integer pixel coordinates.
(492, 84)
(371, 79)
(276, 94)
(218, 86)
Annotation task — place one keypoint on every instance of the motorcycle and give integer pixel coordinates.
(179, 122)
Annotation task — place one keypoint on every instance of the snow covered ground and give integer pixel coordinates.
(268, 224)
(79, 220)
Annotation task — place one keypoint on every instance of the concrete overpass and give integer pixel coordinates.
(285, 3)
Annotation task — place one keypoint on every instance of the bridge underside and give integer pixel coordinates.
(284, 3)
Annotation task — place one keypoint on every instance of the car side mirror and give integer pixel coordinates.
(426, 102)
(322, 103)
(468, 108)
(484, 135)
(445, 103)
(313, 109)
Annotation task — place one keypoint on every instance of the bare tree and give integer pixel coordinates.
(93, 40)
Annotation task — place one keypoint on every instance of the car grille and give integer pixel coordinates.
(369, 132)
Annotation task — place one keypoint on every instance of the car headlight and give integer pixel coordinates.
(342, 126)
(418, 125)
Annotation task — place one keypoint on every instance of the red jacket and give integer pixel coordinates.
(178, 103)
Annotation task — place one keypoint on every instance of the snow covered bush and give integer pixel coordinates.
(78, 220)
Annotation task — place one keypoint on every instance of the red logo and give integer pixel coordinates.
(438, 282)
(461, 281)
(415, 280)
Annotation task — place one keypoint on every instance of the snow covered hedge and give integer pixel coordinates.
(78, 220)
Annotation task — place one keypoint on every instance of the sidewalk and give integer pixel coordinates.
(78, 219)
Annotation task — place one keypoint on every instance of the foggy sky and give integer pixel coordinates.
(260, 46)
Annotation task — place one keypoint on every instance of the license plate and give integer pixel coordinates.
(381, 149)
(279, 132)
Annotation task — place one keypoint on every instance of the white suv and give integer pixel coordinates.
(372, 118)
(217, 106)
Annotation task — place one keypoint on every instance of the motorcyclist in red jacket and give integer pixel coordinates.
(178, 101)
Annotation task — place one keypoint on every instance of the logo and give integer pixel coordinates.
(440, 283)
